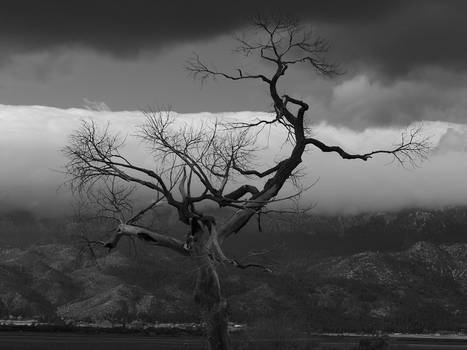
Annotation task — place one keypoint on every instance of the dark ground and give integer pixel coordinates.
(60, 341)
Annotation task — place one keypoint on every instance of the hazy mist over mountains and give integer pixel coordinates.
(34, 135)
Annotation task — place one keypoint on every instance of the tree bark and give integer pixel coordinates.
(217, 327)
(214, 307)
(208, 291)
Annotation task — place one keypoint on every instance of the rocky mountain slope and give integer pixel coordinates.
(330, 273)
(421, 288)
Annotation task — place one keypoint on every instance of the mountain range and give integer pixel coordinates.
(404, 271)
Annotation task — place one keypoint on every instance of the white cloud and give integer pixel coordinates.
(453, 140)
(32, 137)
(99, 106)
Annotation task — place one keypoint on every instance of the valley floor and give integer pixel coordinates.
(74, 341)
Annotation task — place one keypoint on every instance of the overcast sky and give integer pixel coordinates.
(410, 55)
(404, 62)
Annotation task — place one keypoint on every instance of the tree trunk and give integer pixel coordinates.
(214, 307)
(217, 327)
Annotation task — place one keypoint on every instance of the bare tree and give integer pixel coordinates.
(215, 163)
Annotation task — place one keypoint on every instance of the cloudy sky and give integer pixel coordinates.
(405, 62)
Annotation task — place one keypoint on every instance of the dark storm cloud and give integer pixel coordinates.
(118, 27)
(360, 101)
(394, 36)
(122, 27)
(417, 34)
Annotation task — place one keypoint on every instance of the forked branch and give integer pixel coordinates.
(412, 148)
(200, 70)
